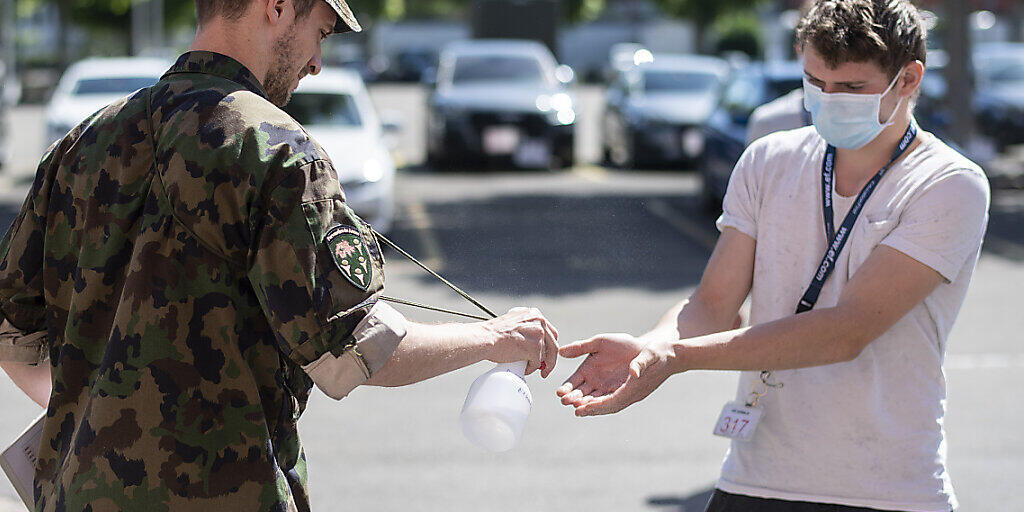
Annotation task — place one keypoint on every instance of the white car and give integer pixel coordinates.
(336, 110)
(91, 84)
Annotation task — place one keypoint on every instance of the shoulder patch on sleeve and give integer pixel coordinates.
(350, 254)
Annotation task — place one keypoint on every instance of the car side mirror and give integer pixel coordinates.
(565, 74)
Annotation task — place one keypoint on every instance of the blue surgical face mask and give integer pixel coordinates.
(845, 120)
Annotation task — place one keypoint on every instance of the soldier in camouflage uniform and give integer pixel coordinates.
(185, 269)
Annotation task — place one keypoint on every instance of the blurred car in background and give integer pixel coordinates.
(999, 92)
(726, 129)
(622, 56)
(336, 110)
(654, 111)
(6, 100)
(410, 65)
(89, 85)
(501, 100)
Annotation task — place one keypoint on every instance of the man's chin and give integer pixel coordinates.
(284, 101)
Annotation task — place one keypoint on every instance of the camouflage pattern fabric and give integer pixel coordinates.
(173, 249)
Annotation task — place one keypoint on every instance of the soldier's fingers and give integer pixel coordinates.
(531, 365)
(550, 326)
(550, 352)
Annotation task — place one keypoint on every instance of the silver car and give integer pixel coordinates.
(89, 85)
(336, 110)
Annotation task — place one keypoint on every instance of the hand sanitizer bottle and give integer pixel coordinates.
(496, 408)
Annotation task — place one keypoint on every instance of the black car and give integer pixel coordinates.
(654, 111)
(501, 101)
(726, 129)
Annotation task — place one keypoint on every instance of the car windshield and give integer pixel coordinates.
(496, 68)
(678, 81)
(113, 85)
(324, 109)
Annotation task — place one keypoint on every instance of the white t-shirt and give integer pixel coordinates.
(868, 432)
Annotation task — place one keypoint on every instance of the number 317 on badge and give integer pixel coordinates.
(738, 421)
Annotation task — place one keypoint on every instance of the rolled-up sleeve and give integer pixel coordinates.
(376, 338)
(17, 346)
(741, 205)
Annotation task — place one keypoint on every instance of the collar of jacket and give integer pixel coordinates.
(217, 64)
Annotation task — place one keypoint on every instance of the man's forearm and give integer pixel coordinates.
(34, 381)
(691, 318)
(815, 338)
(431, 350)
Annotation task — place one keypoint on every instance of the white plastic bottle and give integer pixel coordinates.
(496, 408)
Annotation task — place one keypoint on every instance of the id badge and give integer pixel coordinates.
(738, 421)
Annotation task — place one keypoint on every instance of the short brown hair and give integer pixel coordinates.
(234, 9)
(889, 33)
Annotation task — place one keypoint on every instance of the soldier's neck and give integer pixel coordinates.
(241, 45)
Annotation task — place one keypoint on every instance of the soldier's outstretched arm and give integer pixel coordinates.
(427, 351)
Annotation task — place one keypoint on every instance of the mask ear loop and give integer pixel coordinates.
(892, 117)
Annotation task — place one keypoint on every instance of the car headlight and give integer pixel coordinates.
(693, 142)
(558, 107)
(373, 170)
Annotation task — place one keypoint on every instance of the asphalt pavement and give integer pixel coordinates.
(597, 251)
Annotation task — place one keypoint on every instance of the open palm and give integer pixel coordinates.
(605, 369)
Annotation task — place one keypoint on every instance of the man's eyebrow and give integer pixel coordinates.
(847, 84)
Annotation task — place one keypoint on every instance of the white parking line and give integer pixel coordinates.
(591, 172)
(682, 223)
(420, 221)
(984, 361)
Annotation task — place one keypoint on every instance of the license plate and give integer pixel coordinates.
(534, 154)
(500, 140)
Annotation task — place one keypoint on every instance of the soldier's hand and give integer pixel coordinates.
(523, 334)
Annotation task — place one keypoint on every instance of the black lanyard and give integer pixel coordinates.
(837, 239)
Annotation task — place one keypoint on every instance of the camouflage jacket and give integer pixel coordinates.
(184, 249)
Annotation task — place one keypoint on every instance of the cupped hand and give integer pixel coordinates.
(524, 334)
(605, 369)
(617, 382)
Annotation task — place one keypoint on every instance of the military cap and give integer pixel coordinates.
(346, 19)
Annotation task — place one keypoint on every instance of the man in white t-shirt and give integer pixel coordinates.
(841, 401)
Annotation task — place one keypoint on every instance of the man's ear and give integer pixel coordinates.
(276, 10)
(912, 75)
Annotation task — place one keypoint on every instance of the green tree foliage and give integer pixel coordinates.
(415, 9)
(705, 12)
(738, 31)
(109, 14)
